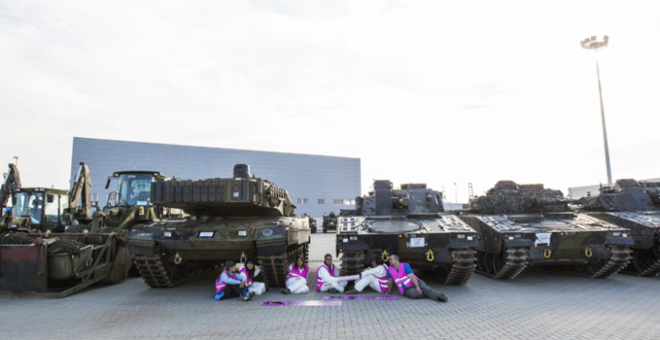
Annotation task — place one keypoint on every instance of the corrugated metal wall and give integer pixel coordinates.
(304, 176)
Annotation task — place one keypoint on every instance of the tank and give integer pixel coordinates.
(232, 218)
(521, 225)
(330, 222)
(408, 222)
(635, 206)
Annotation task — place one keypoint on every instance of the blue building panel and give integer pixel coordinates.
(313, 177)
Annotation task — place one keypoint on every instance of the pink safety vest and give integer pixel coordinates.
(295, 272)
(248, 280)
(400, 278)
(319, 281)
(383, 281)
(219, 285)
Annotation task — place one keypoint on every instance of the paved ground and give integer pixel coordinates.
(536, 305)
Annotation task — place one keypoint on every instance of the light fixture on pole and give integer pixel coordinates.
(596, 43)
(16, 160)
(455, 193)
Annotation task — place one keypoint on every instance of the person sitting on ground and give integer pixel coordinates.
(253, 278)
(231, 284)
(296, 281)
(374, 277)
(326, 277)
(401, 275)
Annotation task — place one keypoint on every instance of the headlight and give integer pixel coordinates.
(460, 236)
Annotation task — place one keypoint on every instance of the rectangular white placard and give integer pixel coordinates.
(542, 238)
(417, 242)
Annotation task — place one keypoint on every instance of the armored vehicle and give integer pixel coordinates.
(520, 225)
(229, 219)
(329, 222)
(635, 206)
(408, 222)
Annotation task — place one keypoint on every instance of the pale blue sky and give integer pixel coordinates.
(421, 91)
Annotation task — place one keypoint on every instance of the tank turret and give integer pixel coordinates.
(507, 197)
(626, 195)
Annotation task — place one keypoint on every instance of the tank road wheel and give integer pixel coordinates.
(604, 268)
(155, 273)
(352, 262)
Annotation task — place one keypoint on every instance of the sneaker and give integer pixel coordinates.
(285, 291)
(219, 296)
(442, 298)
(352, 291)
(248, 296)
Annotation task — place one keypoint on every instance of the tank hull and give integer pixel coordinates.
(188, 246)
(444, 245)
(509, 243)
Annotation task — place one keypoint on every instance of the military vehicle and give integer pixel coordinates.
(231, 218)
(57, 265)
(635, 206)
(519, 225)
(312, 223)
(132, 202)
(37, 259)
(408, 222)
(329, 222)
(48, 209)
(38, 209)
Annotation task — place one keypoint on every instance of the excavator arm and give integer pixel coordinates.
(12, 181)
(80, 194)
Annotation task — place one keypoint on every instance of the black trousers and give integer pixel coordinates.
(233, 291)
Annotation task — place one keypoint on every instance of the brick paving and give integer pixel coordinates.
(536, 305)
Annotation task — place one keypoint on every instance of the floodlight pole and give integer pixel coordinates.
(592, 43)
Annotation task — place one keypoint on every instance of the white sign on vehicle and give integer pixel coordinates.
(206, 233)
(542, 238)
(417, 242)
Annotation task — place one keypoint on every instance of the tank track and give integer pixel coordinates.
(275, 267)
(464, 262)
(515, 262)
(618, 260)
(652, 270)
(352, 263)
(155, 273)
